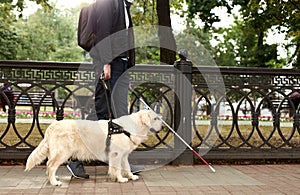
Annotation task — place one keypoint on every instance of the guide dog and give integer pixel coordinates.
(86, 140)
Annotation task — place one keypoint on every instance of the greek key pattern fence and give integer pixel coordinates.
(236, 112)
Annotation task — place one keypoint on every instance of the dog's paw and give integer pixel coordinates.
(134, 177)
(122, 180)
(56, 183)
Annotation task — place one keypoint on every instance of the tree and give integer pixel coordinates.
(144, 17)
(8, 35)
(197, 42)
(50, 33)
(258, 17)
(7, 6)
(281, 14)
(238, 47)
(9, 40)
(203, 8)
(148, 13)
(166, 37)
(49, 36)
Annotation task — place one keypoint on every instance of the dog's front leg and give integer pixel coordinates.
(127, 169)
(115, 169)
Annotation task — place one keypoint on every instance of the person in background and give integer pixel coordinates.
(8, 91)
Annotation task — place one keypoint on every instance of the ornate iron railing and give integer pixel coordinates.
(225, 113)
(257, 117)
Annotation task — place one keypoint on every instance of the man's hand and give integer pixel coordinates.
(107, 71)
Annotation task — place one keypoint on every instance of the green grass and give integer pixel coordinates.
(253, 139)
(23, 129)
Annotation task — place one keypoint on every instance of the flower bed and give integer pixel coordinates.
(245, 118)
(44, 115)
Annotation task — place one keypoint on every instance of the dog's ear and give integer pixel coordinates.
(146, 118)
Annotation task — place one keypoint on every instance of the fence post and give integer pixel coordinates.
(183, 109)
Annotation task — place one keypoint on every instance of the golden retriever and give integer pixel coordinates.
(86, 140)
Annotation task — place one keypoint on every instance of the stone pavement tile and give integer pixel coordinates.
(243, 189)
(136, 187)
(217, 192)
(60, 191)
(261, 190)
(8, 177)
(20, 191)
(161, 189)
(47, 191)
(101, 190)
(197, 176)
(6, 170)
(251, 179)
(192, 190)
(9, 182)
(278, 179)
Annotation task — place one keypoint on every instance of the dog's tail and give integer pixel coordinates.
(38, 155)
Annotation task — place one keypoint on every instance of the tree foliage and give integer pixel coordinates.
(147, 13)
(8, 35)
(238, 46)
(203, 9)
(9, 12)
(281, 14)
(50, 33)
(7, 6)
(258, 18)
(49, 36)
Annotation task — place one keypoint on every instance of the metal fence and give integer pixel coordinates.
(224, 113)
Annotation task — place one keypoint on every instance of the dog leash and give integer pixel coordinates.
(113, 128)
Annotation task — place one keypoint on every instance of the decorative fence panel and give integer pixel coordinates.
(224, 113)
(257, 117)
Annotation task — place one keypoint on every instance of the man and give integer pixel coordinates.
(112, 56)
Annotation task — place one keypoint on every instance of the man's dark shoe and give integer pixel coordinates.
(77, 170)
(136, 169)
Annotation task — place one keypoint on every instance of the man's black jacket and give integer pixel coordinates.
(113, 39)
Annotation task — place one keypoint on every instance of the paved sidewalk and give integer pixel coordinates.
(249, 179)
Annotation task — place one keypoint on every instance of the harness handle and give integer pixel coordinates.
(113, 128)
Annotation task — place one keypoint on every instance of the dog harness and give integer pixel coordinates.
(113, 128)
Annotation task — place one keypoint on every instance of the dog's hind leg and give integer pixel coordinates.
(52, 166)
(115, 167)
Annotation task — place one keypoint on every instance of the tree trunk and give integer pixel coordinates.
(296, 65)
(166, 37)
(259, 50)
